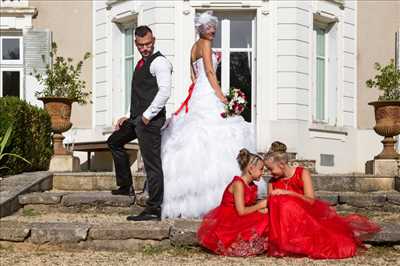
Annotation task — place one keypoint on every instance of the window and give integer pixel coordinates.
(11, 82)
(11, 65)
(320, 75)
(128, 64)
(325, 73)
(11, 50)
(235, 39)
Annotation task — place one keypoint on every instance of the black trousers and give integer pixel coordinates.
(149, 137)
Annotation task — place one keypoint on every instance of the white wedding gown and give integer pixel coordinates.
(199, 150)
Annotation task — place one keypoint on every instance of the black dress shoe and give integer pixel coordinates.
(146, 216)
(125, 191)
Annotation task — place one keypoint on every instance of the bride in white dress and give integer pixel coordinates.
(199, 147)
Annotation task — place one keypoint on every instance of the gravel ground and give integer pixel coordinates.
(374, 256)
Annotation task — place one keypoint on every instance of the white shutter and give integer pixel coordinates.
(37, 42)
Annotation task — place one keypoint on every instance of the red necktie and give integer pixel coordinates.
(139, 64)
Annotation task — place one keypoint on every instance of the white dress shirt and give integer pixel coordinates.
(160, 68)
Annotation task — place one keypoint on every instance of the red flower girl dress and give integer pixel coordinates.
(301, 228)
(226, 233)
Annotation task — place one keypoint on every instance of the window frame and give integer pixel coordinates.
(325, 27)
(19, 61)
(225, 18)
(21, 79)
(132, 25)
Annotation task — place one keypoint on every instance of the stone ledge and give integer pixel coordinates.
(14, 186)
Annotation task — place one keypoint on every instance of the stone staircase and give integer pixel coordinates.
(77, 211)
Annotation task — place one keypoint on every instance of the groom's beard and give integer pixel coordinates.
(147, 53)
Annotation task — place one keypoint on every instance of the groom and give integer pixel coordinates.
(151, 88)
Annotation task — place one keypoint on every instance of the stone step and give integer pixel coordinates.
(84, 201)
(183, 233)
(92, 181)
(98, 181)
(385, 200)
(353, 182)
(105, 202)
(127, 236)
(358, 183)
(118, 236)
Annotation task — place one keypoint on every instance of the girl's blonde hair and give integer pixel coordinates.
(277, 152)
(246, 158)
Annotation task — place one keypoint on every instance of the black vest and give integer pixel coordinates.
(144, 89)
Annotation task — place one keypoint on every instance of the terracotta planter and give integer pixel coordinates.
(59, 110)
(387, 116)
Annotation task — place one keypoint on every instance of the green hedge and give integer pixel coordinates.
(30, 137)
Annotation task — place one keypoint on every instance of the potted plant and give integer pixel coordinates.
(387, 108)
(62, 86)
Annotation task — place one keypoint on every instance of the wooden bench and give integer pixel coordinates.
(96, 146)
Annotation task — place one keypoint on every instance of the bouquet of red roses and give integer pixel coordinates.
(237, 102)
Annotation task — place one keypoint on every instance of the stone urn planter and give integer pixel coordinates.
(62, 85)
(387, 116)
(59, 109)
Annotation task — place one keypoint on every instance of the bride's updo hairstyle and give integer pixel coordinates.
(277, 153)
(204, 21)
(246, 158)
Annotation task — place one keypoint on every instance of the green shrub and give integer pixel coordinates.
(387, 80)
(3, 145)
(31, 136)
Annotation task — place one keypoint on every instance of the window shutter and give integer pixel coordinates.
(37, 42)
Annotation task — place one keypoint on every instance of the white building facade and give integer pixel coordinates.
(21, 47)
(296, 59)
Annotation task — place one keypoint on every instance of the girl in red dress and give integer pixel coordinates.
(301, 225)
(239, 226)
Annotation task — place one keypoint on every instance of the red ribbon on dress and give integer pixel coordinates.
(186, 101)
